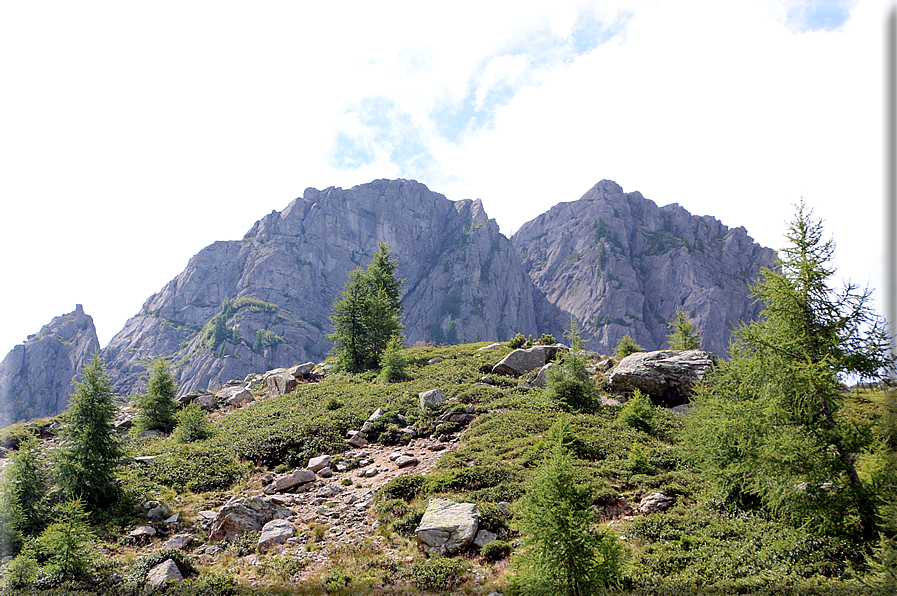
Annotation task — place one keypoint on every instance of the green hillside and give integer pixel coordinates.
(705, 543)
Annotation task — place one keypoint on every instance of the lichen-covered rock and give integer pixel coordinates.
(667, 376)
(654, 503)
(447, 526)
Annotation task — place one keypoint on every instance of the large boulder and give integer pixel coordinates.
(245, 515)
(430, 398)
(447, 526)
(521, 361)
(281, 384)
(667, 376)
(234, 395)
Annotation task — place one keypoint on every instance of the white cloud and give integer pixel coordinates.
(134, 136)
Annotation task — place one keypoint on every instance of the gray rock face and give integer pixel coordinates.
(463, 280)
(620, 264)
(431, 397)
(36, 376)
(616, 261)
(447, 526)
(667, 376)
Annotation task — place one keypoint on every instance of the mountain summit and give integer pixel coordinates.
(616, 261)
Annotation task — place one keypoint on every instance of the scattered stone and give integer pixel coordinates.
(301, 370)
(489, 347)
(148, 433)
(436, 360)
(207, 402)
(213, 549)
(605, 365)
(406, 460)
(607, 400)
(144, 459)
(655, 502)
(325, 472)
(275, 532)
(484, 537)
(178, 541)
(245, 515)
(164, 573)
(521, 361)
(318, 463)
(173, 519)
(281, 384)
(142, 531)
(377, 413)
(289, 481)
(541, 379)
(358, 440)
(235, 395)
(447, 526)
(431, 397)
(159, 513)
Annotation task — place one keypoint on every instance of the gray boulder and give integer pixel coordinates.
(447, 526)
(281, 384)
(245, 515)
(667, 376)
(431, 397)
(541, 379)
(292, 480)
(655, 502)
(301, 370)
(178, 541)
(234, 395)
(275, 532)
(521, 361)
(162, 574)
(318, 463)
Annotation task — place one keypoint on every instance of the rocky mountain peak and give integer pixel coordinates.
(36, 376)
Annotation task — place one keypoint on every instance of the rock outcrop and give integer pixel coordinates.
(36, 376)
(667, 376)
(620, 264)
(447, 526)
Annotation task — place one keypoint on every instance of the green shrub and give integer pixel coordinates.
(192, 425)
(196, 467)
(403, 487)
(638, 413)
(546, 340)
(637, 460)
(491, 518)
(335, 581)
(438, 574)
(518, 341)
(136, 576)
(495, 550)
(244, 544)
(392, 362)
(626, 346)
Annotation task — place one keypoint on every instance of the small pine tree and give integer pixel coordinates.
(192, 424)
(67, 541)
(569, 383)
(157, 405)
(366, 314)
(684, 336)
(566, 553)
(25, 470)
(638, 413)
(85, 463)
(392, 363)
(626, 346)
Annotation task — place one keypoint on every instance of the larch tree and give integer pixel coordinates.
(157, 405)
(769, 426)
(685, 336)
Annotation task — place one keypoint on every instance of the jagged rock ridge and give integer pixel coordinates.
(614, 260)
(462, 282)
(36, 376)
(621, 264)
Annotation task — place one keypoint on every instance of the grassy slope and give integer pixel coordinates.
(700, 545)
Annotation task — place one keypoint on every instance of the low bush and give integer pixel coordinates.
(438, 573)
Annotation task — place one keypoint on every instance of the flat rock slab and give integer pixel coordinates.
(406, 460)
(318, 463)
(142, 531)
(295, 479)
(447, 526)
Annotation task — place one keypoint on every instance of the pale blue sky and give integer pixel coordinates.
(133, 136)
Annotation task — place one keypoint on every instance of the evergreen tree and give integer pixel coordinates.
(67, 541)
(569, 382)
(25, 470)
(366, 314)
(11, 518)
(566, 553)
(392, 363)
(86, 460)
(684, 336)
(157, 405)
(192, 424)
(626, 346)
(769, 425)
